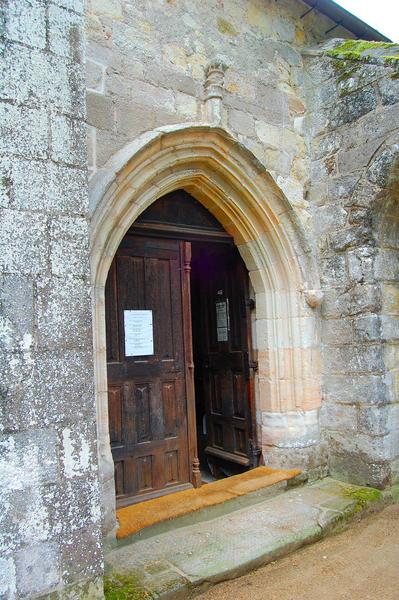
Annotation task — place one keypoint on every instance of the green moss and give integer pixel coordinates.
(352, 54)
(361, 50)
(363, 496)
(226, 27)
(344, 70)
(357, 49)
(391, 60)
(124, 587)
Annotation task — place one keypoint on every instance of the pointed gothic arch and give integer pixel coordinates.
(235, 187)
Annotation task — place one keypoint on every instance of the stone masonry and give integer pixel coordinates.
(49, 519)
(320, 116)
(146, 67)
(354, 123)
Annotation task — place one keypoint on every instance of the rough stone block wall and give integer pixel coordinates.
(146, 66)
(354, 122)
(50, 517)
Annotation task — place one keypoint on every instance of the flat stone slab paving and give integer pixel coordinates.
(183, 562)
(141, 515)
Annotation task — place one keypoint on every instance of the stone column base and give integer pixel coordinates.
(312, 460)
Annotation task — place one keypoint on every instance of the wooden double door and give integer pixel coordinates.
(150, 317)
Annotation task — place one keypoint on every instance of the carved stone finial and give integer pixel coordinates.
(213, 88)
(314, 298)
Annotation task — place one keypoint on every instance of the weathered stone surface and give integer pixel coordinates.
(352, 107)
(358, 359)
(350, 389)
(329, 142)
(60, 388)
(49, 188)
(23, 242)
(380, 170)
(47, 412)
(132, 119)
(241, 122)
(69, 325)
(28, 458)
(379, 420)
(26, 23)
(367, 329)
(77, 506)
(333, 271)
(350, 237)
(95, 76)
(16, 312)
(355, 469)
(65, 33)
(7, 577)
(67, 140)
(24, 131)
(389, 90)
(358, 157)
(339, 416)
(337, 331)
(100, 111)
(187, 105)
(37, 569)
(69, 238)
(23, 72)
(81, 556)
(373, 449)
(361, 264)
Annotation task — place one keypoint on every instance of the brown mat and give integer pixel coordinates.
(137, 516)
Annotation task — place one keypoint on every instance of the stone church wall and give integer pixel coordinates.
(146, 64)
(328, 138)
(146, 67)
(49, 496)
(354, 194)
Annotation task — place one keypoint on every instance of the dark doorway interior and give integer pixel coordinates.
(179, 270)
(221, 349)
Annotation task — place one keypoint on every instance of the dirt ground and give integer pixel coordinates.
(361, 563)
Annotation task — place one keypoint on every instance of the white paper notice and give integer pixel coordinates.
(138, 332)
(222, 321)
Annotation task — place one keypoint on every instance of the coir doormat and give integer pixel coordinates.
(137, 516)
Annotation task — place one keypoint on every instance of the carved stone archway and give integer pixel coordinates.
(232, 184)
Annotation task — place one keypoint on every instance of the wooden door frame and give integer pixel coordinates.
(186, 236)
(189, 364)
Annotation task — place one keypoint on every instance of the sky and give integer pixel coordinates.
(383, 15)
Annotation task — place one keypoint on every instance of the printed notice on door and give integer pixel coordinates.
(222, 321)
(139, 339)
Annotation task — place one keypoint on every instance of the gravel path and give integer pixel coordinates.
(361, 563)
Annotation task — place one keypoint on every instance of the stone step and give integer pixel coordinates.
(211, 512)
(186, 560)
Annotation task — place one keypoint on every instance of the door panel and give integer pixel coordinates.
(221, 282)
(147, 394)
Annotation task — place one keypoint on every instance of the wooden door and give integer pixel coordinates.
(151, 403)
(224, 360)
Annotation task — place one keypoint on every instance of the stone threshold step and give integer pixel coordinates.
(183, 562)
(144, 520)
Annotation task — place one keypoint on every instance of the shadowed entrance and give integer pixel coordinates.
(223, 175)
(153, 401)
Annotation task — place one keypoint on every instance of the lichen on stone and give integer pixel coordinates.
(364, 52)
(124, 587)
(226, 27)
(358, 49)
(362, 496)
